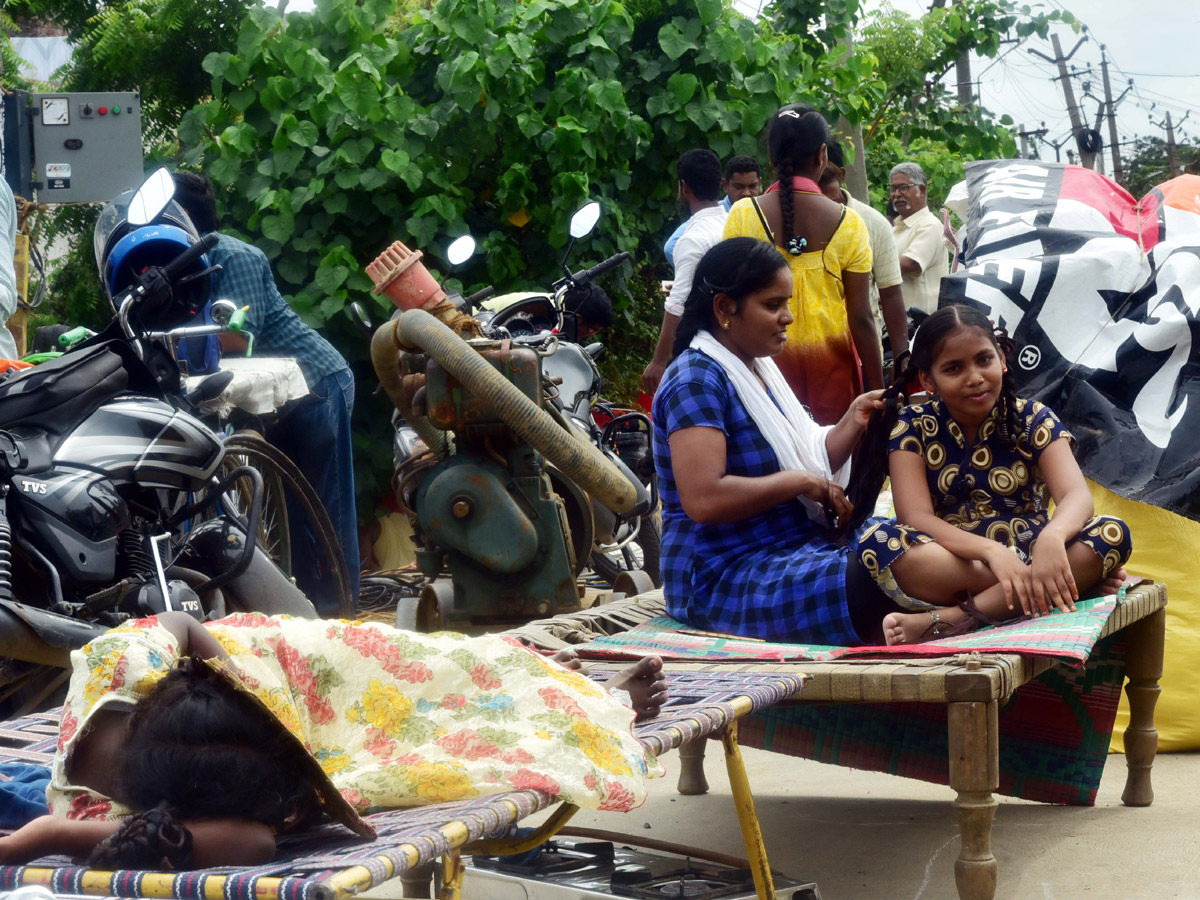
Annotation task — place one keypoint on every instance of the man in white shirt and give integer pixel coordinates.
(887, 301)
(699, 174)
(919, 238)
(8, 275)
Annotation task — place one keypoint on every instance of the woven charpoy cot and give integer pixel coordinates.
(1024, 709)
(329, 862)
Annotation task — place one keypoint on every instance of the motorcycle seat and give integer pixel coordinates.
(57, 395)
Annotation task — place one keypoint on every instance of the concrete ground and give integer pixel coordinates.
(866, 836)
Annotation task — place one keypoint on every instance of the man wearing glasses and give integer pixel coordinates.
(919, 239)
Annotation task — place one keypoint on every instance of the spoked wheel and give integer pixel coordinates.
(642, 553)
(283, 482)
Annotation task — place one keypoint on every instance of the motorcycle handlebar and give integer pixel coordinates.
(601, 267)
(181, 262)
(478, 297)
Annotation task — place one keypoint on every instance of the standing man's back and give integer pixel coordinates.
(315, 433)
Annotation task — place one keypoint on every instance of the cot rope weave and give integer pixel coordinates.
(701, 704)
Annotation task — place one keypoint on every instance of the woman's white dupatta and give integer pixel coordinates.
(798, 441)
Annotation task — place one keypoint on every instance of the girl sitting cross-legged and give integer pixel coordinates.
(971, 469)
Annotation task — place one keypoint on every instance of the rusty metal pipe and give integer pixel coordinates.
(577, 459)
(385, 356)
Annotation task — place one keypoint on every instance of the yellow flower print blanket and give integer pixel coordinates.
(393, 718)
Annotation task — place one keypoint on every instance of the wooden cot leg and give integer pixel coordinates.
(739, 786)
(453, 870)
(1143, 668)
(974, 774)
(691, 768)
(415, 882)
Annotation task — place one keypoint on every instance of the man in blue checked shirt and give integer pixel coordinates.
(315, 434)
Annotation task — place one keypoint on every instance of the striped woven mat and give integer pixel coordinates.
(1069, 637)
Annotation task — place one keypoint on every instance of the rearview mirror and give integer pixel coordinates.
(460, 250)
(151, 198)
(222, 312)
(585, 220)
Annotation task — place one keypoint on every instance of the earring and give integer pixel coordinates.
(725, 325)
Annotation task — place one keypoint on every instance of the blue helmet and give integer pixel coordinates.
(157, 245)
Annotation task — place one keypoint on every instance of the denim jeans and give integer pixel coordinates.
(316, 436)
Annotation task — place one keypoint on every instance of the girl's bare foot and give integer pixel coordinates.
(569, 658)
(919, 627)
(646, 685)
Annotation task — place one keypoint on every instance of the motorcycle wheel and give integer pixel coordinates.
(282, 481)
(644, 553)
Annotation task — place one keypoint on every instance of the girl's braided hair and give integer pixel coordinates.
(870, 464)
(795, 135)
(155, 839)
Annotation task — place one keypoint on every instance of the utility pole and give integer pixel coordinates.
(1025, 135)
(1078, 128)
(1172, 150)
(962, 70)
(1118, 170)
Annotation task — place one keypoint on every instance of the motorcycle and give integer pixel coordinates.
(110, 486)
(500, 466)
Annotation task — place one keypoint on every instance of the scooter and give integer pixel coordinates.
(110, 488)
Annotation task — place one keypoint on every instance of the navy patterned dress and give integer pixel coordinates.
(988, 489)
(777, 575)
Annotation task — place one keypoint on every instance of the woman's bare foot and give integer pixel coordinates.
(568, 657)
(646, 685)
(919, 627)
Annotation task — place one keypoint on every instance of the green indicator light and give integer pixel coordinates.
(116, 110)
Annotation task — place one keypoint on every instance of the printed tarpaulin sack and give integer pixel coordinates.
(1101, 293)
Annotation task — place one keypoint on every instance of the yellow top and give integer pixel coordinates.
(819, 360)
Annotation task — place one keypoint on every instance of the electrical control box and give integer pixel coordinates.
(16, 160)
(87, 147)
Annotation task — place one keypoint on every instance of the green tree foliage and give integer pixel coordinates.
(1148, 165)
(152, 46)
(156, 47)
(10, 62)
(345, 130)
(913, 55)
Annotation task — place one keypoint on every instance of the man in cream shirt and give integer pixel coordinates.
(919, 238)
(887, 301)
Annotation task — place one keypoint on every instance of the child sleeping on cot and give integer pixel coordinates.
(188, 746)
(973, 540)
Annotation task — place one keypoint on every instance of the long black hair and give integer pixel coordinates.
(870, 466)
(736, 267)
(197, 745)
(795, 136)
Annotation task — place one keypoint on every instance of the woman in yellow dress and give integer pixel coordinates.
(832, 352)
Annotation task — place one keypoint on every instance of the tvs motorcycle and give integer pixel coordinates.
(110, 487)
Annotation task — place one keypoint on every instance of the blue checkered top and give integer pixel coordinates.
(776, 575)
(245, 278)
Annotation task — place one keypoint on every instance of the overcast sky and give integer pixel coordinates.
(1154, 42)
